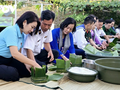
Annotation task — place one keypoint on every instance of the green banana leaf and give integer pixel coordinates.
(72, 58)
(88, 49)
(67, 64)
(40, 79)
(52, 68)
(116, 47)
(112, 44)
(115, 53)
(62, 65)
(76, 60)
(39, 74)
(55, 77)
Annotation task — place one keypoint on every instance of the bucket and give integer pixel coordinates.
(89, 63)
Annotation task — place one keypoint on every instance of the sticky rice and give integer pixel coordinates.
(81, 70)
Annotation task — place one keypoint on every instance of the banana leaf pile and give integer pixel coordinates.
(76, 60)
(91, 50)
(112, 44)
(116, 47)
(62, 65)
(38, 75)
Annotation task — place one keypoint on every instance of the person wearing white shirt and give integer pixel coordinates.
(35, 50)
(100, 31)
(79, 37)
(118, 29)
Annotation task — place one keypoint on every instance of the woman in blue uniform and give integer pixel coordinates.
(13, 64)
(63, 39)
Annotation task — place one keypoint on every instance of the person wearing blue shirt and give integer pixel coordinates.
(80, 26)
(63, 39)
(13, 64)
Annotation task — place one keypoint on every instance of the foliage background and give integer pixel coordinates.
(77, 9)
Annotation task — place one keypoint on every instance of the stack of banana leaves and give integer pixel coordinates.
(91, 50)
(38, 75)
(116, 47)
(62, 65)
(112, 44)
(76, 60)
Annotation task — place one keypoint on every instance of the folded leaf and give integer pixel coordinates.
(32, 72)
(52, 68)
(113, 43)
(60, 63)
(76, 60)
(39, 74)
(67, 64)
(72, 58)
(90, 49)
(55, 77)
(40, 79)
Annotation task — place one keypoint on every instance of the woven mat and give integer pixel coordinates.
(65, 83)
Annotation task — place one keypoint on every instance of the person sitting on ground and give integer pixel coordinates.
(63, 39)
(101, 33)
(96, 38)
(108, 30)
(82, 36)
(13, 64)
(112, 24)
(35, 50)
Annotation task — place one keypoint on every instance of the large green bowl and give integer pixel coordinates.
(108, 69)
(94, 56)
(82, 77)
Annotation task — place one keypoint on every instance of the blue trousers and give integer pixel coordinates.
(79, 51)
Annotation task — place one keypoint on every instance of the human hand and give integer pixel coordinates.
(50, 54)
(28, 67)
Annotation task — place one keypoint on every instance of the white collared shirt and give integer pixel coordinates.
(99, 33)
(35, 42)
(79, 38)
(117, 30)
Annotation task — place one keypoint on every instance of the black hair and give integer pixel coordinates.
(100, 20)
(68, 21)
(88, 20)
(108, 21)
(91, 15)
(30, 17)
(47, 15)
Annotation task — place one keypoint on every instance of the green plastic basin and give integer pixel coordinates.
(82, 77)
(108, 69)
(93, 56)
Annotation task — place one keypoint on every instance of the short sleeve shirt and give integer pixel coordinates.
(10, 36)
(109, 31)
(79, 38)
(36, 41)
(100, 32)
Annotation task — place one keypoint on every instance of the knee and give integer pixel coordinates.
(14, 75)
(55, 53)
(9, 73)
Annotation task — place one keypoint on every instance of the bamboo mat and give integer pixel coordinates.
(65, 83)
